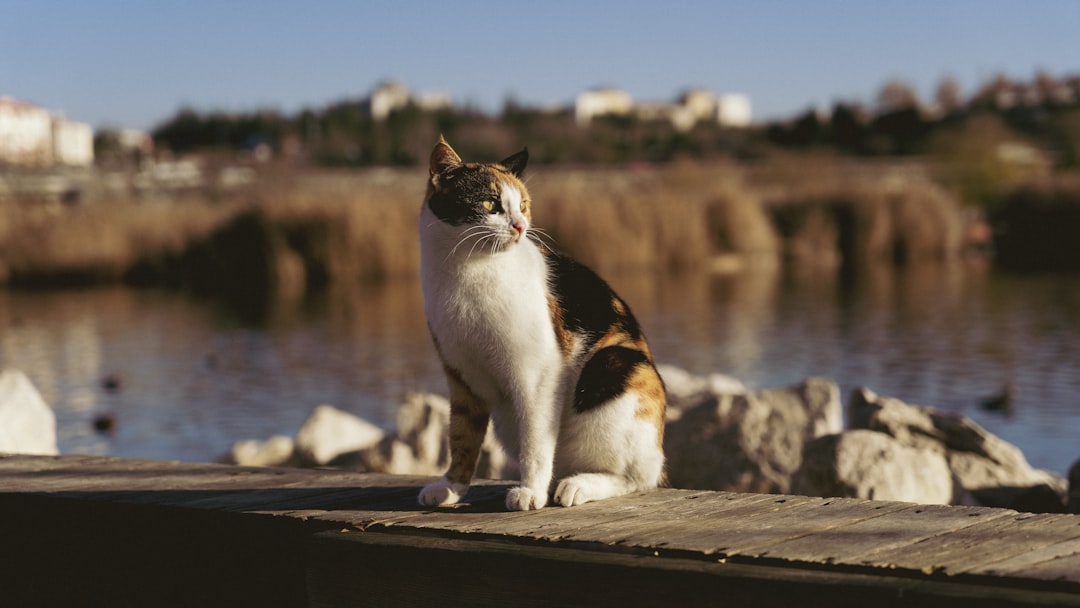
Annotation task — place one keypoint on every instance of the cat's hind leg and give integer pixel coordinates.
(630, 461)
(611, 443)
(586, 487)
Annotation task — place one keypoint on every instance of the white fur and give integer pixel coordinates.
(485, 297)
(442, 492)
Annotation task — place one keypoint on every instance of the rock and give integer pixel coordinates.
(423, 425)
(872, 465)
(421, 445)
(330, 432)
(1074, 488)
(992, 470)
(685, 389)
(751, 441)
(275, 451)
(27, 423)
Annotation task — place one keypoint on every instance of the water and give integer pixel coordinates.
(195, 377)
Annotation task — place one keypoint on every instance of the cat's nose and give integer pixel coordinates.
(519, 227)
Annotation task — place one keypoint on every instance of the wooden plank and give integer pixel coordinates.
(751, 536)
(1064, 568)
(853, 543)
(675, 510)
(490, 519)
(991, 549)
(968, 548)
(695, 514)
(1052, 562)
(481, 522)
(401, 570)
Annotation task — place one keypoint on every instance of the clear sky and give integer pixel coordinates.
(134, 63)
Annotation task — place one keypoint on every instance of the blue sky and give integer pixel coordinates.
(134, 63)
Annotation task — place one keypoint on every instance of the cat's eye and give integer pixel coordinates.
(488, 205)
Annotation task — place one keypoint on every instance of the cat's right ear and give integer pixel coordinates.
(443, 160)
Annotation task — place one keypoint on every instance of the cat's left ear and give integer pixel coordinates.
(516, 163)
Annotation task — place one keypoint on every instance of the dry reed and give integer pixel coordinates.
(299, 231)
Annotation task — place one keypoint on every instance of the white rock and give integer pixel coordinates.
(749, 442)
(993, 471)
(685, 389)
(275, 451)
(872, 465)
(421, 445)
(330, 432)
(27, 423)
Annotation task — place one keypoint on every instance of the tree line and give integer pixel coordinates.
(1043, 112)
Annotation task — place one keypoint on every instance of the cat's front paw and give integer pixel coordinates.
(442, 492)
(525, 499)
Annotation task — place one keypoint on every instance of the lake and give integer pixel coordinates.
(195, 376)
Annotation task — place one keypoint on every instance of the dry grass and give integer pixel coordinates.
(299, 231)
(49, 244)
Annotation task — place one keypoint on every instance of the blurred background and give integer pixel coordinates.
(208, 210)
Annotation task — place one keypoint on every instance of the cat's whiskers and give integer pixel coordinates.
(471, 232)
(538, 236)
(490, 235)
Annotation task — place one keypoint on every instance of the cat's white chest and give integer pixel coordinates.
(490, 315)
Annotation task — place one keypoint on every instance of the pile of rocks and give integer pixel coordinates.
(719, 436)
(722, 436)
(331, 437)
(896, 451)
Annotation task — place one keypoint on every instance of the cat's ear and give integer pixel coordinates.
(516, 163)
(443, 158)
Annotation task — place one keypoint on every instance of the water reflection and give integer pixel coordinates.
(198, 376)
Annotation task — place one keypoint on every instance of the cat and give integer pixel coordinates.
(533, 341)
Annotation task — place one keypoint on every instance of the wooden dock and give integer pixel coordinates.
(80, 530)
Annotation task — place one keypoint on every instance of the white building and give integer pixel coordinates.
(600, 102)
(733, 110)
(31, 136)
(72, 142)
(386, 98)
(25, 133)
(392, 95)
(692, 107)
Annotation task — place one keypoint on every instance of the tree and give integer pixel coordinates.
(948, 97)
(895, 96)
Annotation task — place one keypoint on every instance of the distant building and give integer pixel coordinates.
(601, 102)
(733, 110)
(72, 143)
(432, 101)
(31, 136)
(692, 107)
(698, 104)
(391, 95)
(25, 133)
(386, 98)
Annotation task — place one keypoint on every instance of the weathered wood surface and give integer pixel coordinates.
(331, 525)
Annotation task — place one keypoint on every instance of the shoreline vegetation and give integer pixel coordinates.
(285, 231)
(254, 203)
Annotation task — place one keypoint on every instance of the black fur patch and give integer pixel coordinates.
(515, 163)
(605, 376)
(461, 193)
(587, 301)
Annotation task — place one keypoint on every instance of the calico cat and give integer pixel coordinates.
(536, 343)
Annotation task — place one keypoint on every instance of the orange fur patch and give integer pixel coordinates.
(562, 335)
(469, 417)
(645, 382)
